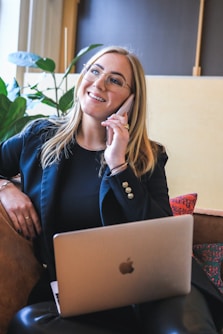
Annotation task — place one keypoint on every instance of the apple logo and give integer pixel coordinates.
(126, 267)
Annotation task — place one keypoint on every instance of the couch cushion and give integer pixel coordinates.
(183, 204)
(210, 257)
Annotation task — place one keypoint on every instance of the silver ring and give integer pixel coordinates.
(27, 217)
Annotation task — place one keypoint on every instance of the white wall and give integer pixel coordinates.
(186, 115)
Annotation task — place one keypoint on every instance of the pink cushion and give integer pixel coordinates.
(183, 204)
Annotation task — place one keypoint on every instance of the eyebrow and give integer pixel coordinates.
(112, 72)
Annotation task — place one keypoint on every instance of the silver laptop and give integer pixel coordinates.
(108, 267)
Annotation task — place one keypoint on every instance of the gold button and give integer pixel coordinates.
(128, 190)
(125, 184)
(130, 196)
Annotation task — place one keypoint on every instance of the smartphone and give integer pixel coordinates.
(125, 108)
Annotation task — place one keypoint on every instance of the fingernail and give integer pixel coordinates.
(19, 231)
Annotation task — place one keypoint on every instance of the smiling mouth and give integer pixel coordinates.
(96, 97)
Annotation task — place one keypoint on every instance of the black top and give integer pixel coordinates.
(78, 204)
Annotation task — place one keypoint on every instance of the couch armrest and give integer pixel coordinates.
(208, 226)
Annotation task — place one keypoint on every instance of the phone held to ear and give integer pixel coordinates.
(125, 108)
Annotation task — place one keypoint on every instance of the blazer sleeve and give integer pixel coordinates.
(136, 199)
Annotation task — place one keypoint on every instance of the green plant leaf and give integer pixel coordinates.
(48, 101)
(46, 64)
(17, 110)
(42, 98)
(10, 112)
(35, 96)
(5, 104)
(23, 58)
(87, 49)
(66, 101)
(3, 88)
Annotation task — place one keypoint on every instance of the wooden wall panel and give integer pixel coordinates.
(68, 33)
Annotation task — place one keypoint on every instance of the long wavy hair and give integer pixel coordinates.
(141, 152)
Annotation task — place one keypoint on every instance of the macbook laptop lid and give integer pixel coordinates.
(118, 265)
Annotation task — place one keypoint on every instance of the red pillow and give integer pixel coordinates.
(184, 204)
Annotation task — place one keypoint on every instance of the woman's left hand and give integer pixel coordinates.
(118, 134)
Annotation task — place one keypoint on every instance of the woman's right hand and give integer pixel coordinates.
(20, 210)
(115, 152)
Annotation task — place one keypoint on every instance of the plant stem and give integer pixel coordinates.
(56, 93)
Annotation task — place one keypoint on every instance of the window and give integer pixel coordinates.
(9, 35)
(32, 25)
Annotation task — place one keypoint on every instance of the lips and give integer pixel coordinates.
(98, 98)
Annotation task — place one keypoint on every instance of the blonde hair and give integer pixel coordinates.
(141, 151)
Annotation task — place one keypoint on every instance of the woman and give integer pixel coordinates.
(70, 169)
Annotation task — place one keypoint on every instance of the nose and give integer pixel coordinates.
(100, 82)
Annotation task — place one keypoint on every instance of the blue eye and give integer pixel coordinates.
(115, 81)
(95, 72)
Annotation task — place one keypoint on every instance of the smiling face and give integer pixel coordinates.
(99, 99)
